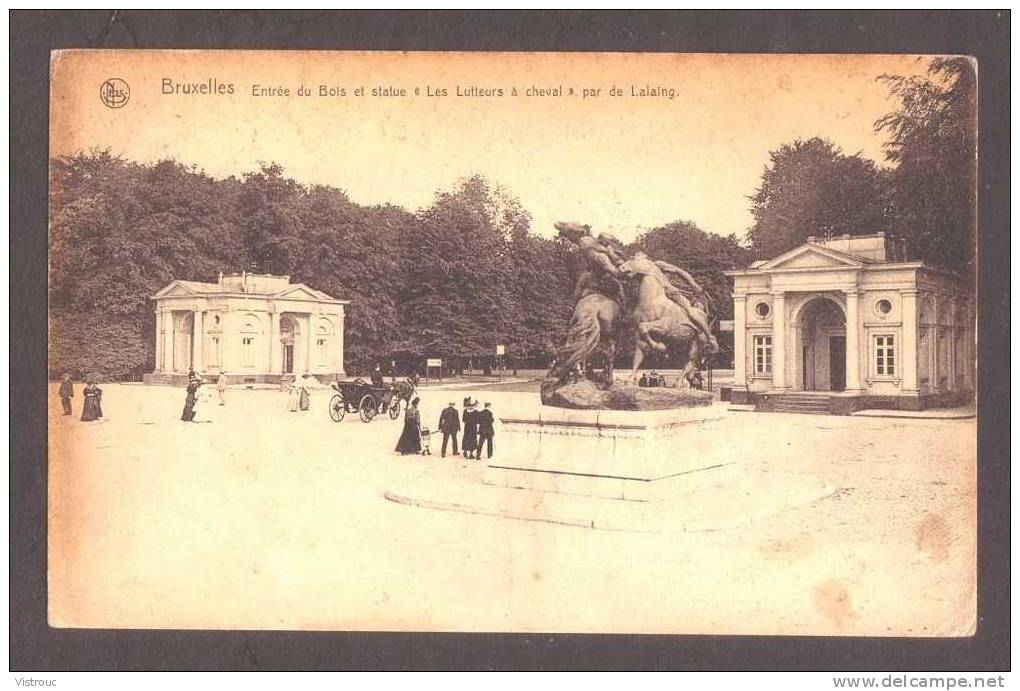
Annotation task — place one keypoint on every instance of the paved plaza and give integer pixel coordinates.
(262, 518)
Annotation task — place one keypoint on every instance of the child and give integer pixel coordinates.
(425, 434)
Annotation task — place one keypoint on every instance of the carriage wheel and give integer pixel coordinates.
(367, 408)
(395, 408)
(337, 407)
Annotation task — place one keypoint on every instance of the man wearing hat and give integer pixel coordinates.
(485, 430)
(449, 425)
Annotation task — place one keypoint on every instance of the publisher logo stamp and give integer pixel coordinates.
(114, 93)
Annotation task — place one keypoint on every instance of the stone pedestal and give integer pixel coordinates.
(613, 454)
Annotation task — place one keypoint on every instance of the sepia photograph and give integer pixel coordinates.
(513, 342)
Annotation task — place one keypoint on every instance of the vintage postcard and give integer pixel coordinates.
(525, 342)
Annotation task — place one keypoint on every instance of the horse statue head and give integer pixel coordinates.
(572, 230)
(639, 264)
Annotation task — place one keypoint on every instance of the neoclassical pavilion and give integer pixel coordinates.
(254, 327)
(847, 323)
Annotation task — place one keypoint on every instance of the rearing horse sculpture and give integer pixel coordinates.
(594, 324)
(660, 323)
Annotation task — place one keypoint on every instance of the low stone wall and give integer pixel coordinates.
(179, 379)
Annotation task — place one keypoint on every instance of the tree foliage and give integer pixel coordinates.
(811, 188)
(933, 144)
(466, 274)
(704, 255)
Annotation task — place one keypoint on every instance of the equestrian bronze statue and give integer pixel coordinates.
(666, 318)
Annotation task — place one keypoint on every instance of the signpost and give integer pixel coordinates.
(500, 365)
(434, 362)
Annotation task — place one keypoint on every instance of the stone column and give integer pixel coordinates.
(906, 353)
(306, 357)
(340, 344)
(779, 341)
(953, 368)
(740, 341)
(853, 340)
(158, 365)
(968, 347)
(933, 349)
(275, 346)
(171, 342)
(197, 332)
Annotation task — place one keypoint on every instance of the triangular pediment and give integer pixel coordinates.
(300, 292)
(175, 288)
(811, 256)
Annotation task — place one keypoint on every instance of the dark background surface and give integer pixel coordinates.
(34, 646)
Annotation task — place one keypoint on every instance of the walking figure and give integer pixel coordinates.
(410, 437)
(221, 386)
(485, 430)
(470, 417)
(194, 381)
(67, 392)
(449, 425)
(92, 408)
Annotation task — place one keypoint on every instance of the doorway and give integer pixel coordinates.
(821, 334)
(837, 363)
(288, 338)
(288, 358)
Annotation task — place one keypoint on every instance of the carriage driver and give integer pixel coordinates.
(377, 378)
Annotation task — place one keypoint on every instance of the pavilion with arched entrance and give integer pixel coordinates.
(255, 328)
(847, 323)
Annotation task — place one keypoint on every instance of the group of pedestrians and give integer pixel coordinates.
(191, 398)
(92, 409)
(478, 424)
(479, 429)
(300, 398)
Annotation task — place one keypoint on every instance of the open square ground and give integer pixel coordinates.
(263, 518)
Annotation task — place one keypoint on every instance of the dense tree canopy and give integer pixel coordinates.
(466, 274)
(933, 144)
(927, 195)
(811, 188)
(704, 255)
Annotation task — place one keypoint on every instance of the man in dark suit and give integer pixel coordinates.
(66, 393)
(449, 425)
(485, 430)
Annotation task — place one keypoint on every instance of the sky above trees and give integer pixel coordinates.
(471, 268)
(623, 164)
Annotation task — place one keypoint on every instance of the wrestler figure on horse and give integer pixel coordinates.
(665, 318)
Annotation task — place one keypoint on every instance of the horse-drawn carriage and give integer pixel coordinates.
(359, 396)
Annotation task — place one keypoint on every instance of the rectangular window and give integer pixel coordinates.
(249, 356)
(320, 345)
(885, 356)
(763, 355)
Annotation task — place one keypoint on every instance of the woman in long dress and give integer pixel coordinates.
(92, 409)
(188, 415)
(304, 398)
(470, 417)
(294, 396)
(410, 438)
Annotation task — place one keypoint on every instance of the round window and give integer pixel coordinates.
(762, 309)
(883, 307)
